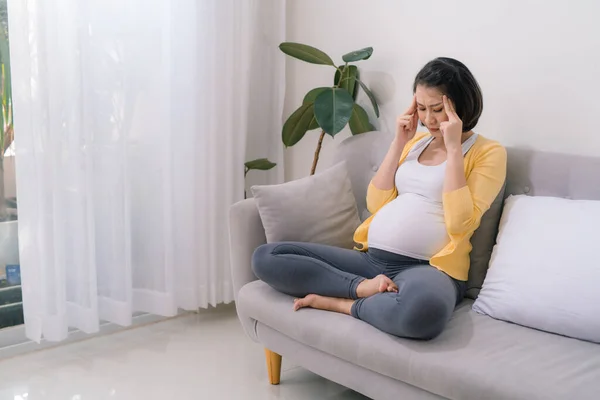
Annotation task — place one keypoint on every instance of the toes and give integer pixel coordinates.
(386, 284)
(298, 304)
(392, 287)
(303, 302)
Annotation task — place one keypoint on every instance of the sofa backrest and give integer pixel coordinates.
(529, 172)
(363, 154)
(537, 173)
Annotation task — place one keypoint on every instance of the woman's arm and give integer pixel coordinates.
(406, 127)
(384, 178)
(465, 200)
(455, 170)
(455, 164)
(464, 207)
(382, 188)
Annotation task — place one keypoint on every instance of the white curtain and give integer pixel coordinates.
(133, 119)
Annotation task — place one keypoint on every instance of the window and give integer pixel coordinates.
(11, 307)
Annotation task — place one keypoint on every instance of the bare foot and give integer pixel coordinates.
(379, 284)
(324, 303)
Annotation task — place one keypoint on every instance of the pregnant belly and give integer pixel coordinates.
(410, 225)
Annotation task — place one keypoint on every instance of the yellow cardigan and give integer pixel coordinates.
(485, 170)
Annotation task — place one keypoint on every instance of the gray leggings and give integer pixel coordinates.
(420, 310)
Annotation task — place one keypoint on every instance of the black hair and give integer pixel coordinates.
(454, 80)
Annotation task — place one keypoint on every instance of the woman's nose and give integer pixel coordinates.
(430, 118)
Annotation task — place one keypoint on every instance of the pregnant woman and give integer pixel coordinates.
(411, 262)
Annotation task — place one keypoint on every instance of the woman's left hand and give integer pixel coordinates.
(451, 129)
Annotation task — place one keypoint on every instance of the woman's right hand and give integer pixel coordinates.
(406, 127)
(406, 124)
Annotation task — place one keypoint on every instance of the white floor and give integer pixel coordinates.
(205, 356)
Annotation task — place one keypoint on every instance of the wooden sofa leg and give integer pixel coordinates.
(273, 366)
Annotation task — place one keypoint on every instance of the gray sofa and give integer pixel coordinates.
(476, 357)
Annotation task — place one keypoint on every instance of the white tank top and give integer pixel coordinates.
(413, 223)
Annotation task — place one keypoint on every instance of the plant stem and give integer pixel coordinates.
(341, 75)
(246, 170)
(317, 151)
(320, 143)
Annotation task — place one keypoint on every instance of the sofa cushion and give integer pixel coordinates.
(317, 209)
(546, 278)
(476, 357)
(483, 241)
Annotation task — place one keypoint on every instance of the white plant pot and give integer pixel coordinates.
(9, 243)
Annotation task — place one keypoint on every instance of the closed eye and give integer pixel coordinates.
(440, 110)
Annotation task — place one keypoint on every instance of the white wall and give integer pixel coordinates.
(538, 63)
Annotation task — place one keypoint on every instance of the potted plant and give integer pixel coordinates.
(329, 108)
(260, 164)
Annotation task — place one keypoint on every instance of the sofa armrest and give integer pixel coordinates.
(246, 233)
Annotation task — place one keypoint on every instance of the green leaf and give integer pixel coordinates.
(312, 95)
(5, 59)
(349, 75)
(371, 97)
(358, 55)
(262, 164)
(309, 99)
(6, 111)
(297, 124)
(359, 121)
(306, 53)
(313, 124)
(332, 110)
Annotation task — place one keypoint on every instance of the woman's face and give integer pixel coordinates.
(431, 108)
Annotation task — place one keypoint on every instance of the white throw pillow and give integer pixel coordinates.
(320, 209)
(544, 271)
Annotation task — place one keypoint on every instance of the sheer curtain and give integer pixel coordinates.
(133, 119)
